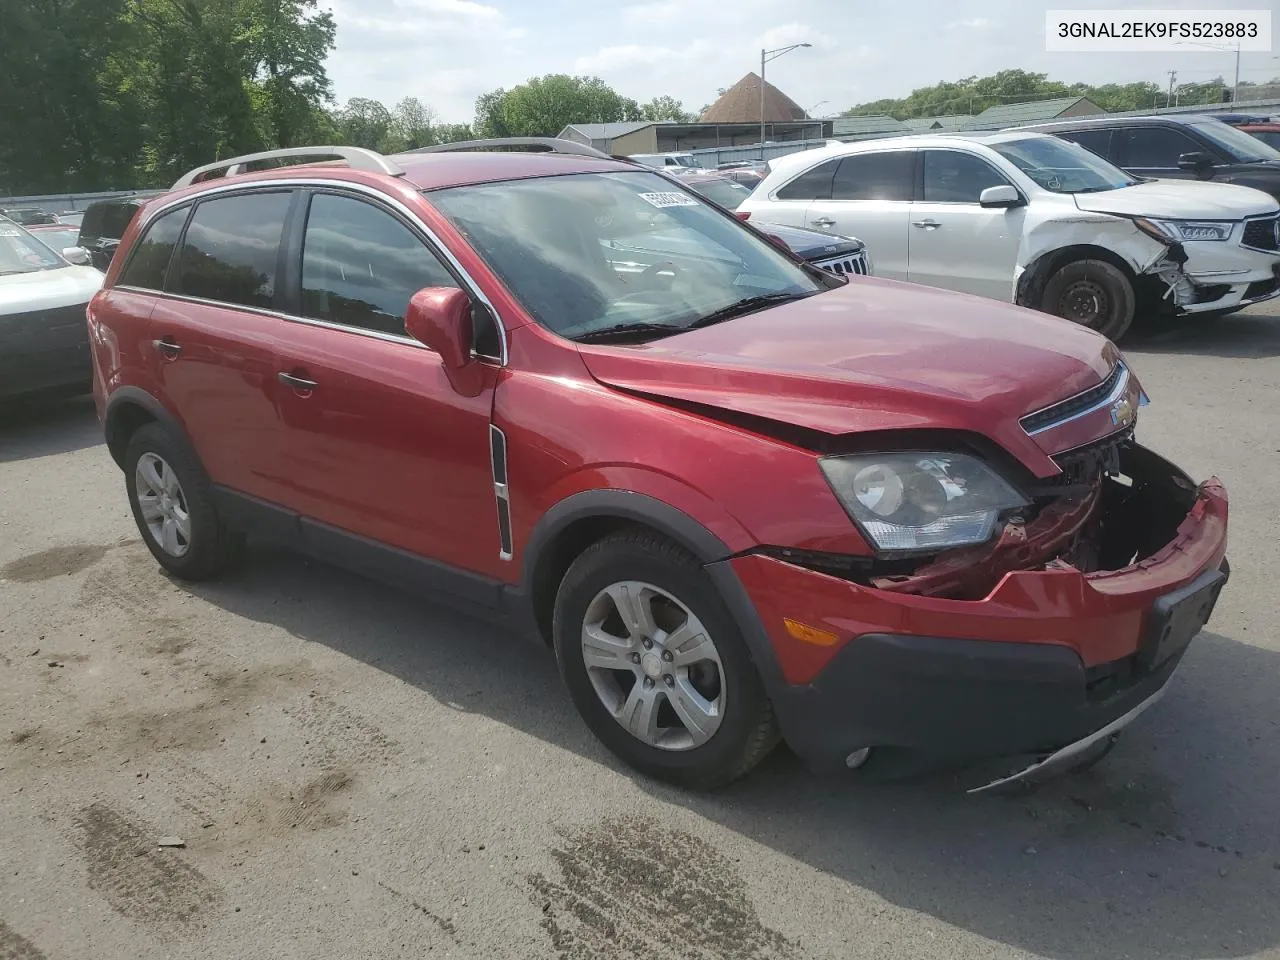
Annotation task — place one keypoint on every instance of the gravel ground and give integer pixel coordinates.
(356, 773)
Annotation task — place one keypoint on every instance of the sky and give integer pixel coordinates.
(447, 52)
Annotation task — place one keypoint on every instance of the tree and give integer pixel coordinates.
(543, 106)
(287, 43)
(364, 123)
(412, 125)
(666, 108)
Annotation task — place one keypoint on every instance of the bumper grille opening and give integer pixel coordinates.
(1262, 288)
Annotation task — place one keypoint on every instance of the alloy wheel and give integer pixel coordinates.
(653, 665)
(163, 504)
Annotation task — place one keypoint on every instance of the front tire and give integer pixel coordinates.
(173, 506)
(656, 666)
(1094, 294)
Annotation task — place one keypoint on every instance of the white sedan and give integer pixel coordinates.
(1036, 220)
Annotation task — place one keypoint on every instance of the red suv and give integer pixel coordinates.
(743, 499)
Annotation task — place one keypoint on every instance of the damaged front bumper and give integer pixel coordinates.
(1211, 277)
(1048, 657)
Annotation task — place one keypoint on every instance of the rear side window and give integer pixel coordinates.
(814, 184)
(231, 248)
(150, 261)
(116, 218)
(360, 265)
(1095, 141)
(954, 177)
(875, 176)
(1156, 147)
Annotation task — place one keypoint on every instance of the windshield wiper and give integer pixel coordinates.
(746, 305)
(1102, 189)
(622, 331)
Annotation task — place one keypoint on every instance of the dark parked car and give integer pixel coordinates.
(744, 500)
(844, 255)
(1185, 146)
(104, 224)
(27, 216)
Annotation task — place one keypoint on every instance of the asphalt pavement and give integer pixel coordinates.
(354, 772)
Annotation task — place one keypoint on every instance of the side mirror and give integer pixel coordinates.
(77, 255)
(1001, 196)
(440, 318)
(1195, 161)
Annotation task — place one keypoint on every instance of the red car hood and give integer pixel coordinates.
(874, 355)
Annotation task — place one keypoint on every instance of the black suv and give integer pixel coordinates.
(104, 224)
(1186, 146)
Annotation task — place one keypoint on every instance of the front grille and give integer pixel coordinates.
(1084, 465)
(1073, 406)
(1261, 234)
(850, 264)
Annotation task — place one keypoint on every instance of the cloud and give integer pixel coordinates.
(977, 23)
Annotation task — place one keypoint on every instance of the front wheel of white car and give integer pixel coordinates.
(1094, 294)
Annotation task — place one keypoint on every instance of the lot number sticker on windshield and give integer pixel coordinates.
(661, 200)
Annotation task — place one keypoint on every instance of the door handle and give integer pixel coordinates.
(167, 347)
(824, 222)
(298, 383)
(926, 224)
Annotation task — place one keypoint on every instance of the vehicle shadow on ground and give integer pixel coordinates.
(1168, 848)
(43, 428)
(1247, 336)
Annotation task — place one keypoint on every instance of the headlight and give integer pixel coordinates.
(920, 501)
(1179, 230)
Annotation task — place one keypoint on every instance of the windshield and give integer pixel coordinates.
(1061, 166)
(727, 193)
(20, 253)
(1238, 144)
(57, 239)
(589, 255)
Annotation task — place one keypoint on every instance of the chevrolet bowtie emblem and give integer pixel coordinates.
(1122, 412)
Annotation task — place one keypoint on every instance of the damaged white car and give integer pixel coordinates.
(1036, 220)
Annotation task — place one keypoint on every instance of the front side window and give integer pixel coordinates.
(231, 247)
(813, 184)
(954, 177)
(1154, 147)
(150, 261)
(628, 254)
(22, 253)
(361, 266)
(875, 176)
(1095, 141)
(1060, 166)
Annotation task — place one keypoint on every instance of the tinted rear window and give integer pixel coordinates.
(875, 176)
(231, 247)
(150, 261)
(814, 184)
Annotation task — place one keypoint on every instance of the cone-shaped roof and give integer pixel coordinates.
(741, 104)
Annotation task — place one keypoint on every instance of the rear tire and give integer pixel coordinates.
(173, 506)
(665, 660)
(1092, 293)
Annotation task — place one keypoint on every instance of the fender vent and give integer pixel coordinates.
(498, 457)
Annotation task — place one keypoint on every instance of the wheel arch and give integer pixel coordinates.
(1032, 280)
(130, 408)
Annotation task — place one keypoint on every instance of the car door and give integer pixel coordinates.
(1098, 141)
(377, 442)
(789, 204)
(870, 199)
(214, 332)
(956, 243)
(1153, 151)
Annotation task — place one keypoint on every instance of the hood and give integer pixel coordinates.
(47, 289)
(809, 244)
(875, 355)
(1180, 200)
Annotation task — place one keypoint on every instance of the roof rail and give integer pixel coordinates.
(516, 144)
(357, 158)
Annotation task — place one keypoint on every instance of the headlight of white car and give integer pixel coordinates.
(1180, 230)
(920, 501)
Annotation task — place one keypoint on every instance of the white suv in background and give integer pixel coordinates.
(1036, 220)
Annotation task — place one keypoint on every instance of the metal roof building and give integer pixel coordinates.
(1034, 111)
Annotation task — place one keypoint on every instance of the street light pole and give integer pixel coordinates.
(765, 57)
